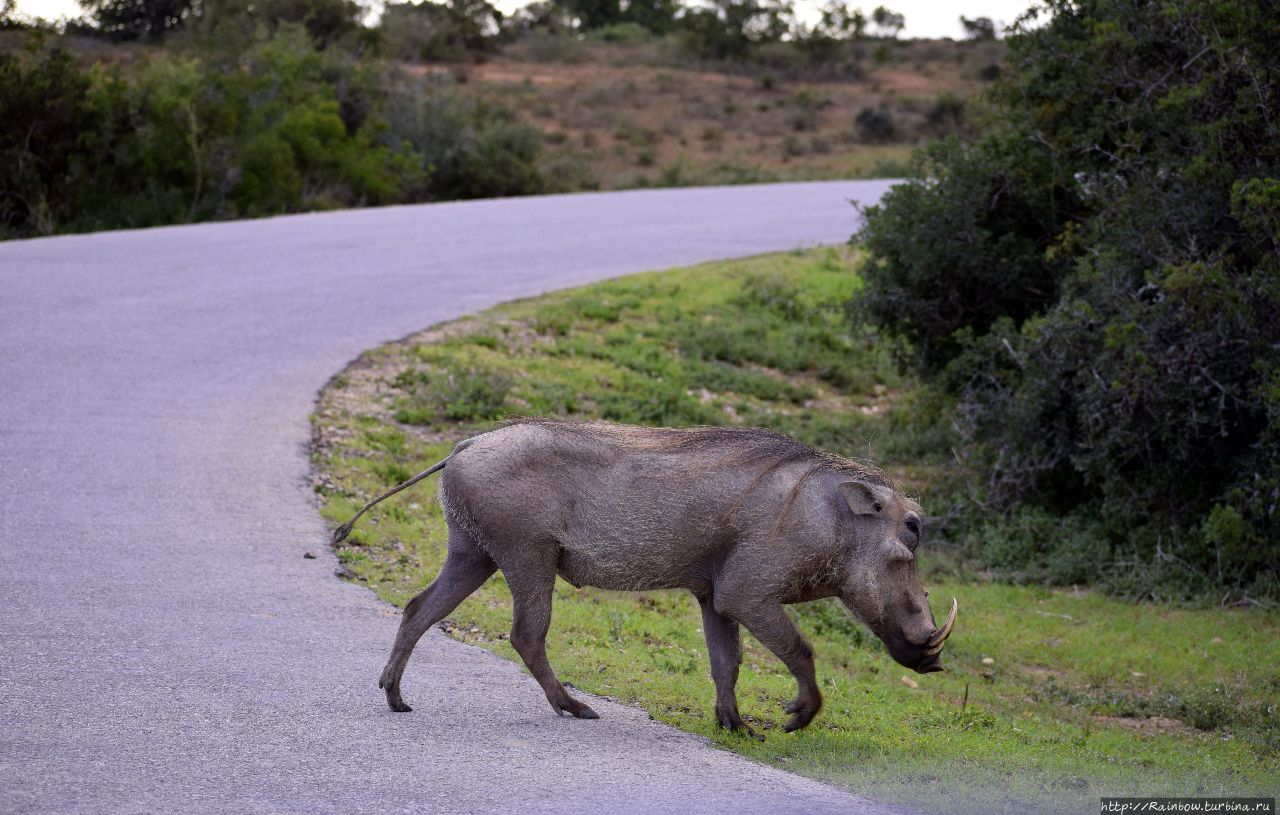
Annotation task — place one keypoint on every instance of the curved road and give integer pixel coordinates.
(164, 646)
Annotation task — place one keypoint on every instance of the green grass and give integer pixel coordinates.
(1083, 695)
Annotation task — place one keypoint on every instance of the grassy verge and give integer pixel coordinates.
(1051, 699)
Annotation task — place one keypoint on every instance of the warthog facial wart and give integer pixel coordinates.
(747, 520)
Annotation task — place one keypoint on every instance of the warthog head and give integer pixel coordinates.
(882, 585)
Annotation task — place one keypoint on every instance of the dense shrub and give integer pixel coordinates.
(732, 29)
(1097, 284)
(964, 242)
(41, 93)
(276, 125)
(462, 146)
(654, 16)
(138, 19)
(947, 115)
(875, 125)
(456, 31)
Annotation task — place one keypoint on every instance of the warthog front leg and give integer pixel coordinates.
(724, 646)
(465, 569)
(770, 624)
(531, 589)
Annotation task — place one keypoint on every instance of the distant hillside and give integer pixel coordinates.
(615, 115)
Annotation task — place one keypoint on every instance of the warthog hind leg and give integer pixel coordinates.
(532, 585)
(465, 569)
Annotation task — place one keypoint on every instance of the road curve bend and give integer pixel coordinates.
(164, 645)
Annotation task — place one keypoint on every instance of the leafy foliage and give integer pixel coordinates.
(731, 29)
(279, 125)
(40, 92)
(979, 28)
(657, 16)
(965, 242)
(455, 31)
(888, 21)
(138, 19)
(1097, 284)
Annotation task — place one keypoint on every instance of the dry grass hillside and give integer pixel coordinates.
(618, 115)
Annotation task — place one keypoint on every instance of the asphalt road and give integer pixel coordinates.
(164, 646)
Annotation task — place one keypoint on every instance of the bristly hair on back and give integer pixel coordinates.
(738, 445)
(771, 450)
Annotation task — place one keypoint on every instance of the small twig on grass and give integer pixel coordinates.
(1067, 617)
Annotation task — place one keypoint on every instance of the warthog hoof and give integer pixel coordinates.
(393, 697)
(577, 710)
(801, 714)
(731, 720)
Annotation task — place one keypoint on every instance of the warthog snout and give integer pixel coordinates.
(922, 653)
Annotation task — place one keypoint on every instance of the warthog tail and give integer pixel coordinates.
(341, 532)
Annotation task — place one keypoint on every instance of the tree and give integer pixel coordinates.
(236, 24)
(541, 15)
(979, 28)
(658, 16)
(594, 13)
(1096, 285)
(40, 94)
(838, 21)
(139, 19)
(326, 21)
(655, 15)
(452, 31)
(729, 29)
(837, 24)
(889, 22)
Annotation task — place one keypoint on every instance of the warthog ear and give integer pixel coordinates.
(864, 498)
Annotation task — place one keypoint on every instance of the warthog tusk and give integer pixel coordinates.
(934, 645)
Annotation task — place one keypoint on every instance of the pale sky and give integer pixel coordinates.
(925, 18)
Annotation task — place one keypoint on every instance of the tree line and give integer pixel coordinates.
(722, 27)
(272, 106)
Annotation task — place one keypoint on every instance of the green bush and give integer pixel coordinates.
(41, 93)
(965, 242)
(731, 30)
(615, 17)
(137, 19)
(806, 108)
(463, 147)
(456, 31)
(947, 115)
(875, 125)
(458, 392)
(626, 33)
(224, 128)
(1097, 285)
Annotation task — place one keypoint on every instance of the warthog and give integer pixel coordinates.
(747, 520)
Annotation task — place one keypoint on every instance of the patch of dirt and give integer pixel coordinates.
(364, 387)
(827, 399)
(1152, 726)
(1041, 672)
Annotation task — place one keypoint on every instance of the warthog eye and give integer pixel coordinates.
(913, 526)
